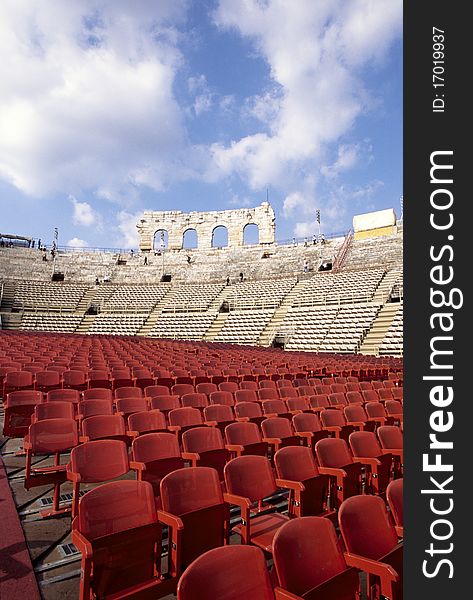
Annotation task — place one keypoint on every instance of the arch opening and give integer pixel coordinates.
(250, 234)
(160, 240)
(190, 239)
(220, 237)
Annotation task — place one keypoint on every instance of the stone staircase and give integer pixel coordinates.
(85, 301)
(86, 323)
(378, 330)
(383, 290)
(271, 329)
(216, 327)
(217, 301)
(8, 296)
(11, 320)
(156, 312)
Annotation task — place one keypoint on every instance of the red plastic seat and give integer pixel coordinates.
(68, 395)
(366, 450)
(51, 436)
(250, 479)
(372, 543)
(319, 402)
(267, 384)
(121, 378)
(268, 394)
(245, 396)
(47, 380)
(308, 427)
(89, 408)
(218, 415)
(194, 509)
(391, 440)
(19, 407)
(222, 397)
(398, 393)
(99, 378)
(278, 432)
(206, 388)
(288, 392)
(370, 396)
(377, 385)
(155, 455)
(98, 394)
(395, 498)
(352, 386)
(249, 412)
(248, 384)
(152, 391)
(118, 534)
(305, 390)
(195, 399)
(356, 416)
(146, 421)
(335, 423)
(228, 386)
(74, 379)
(245, 438)
(53, 410)
(275, 408)
(335, 459)
(231, 572)
(365, 386)
(337, 400)
(127, 392)
(165, 403)
(179, 389)
(101, 427)
(143, 378)
(182, 419)
(310, 563)
(16, 381)
(394, 409)
(96, 462)
(298, 405)
(377, 413)
(338, 388)
(128, 406)
(204, 447)
(297, 471)
(354, 398)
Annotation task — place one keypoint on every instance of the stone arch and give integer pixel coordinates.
(220, 236)
(190, 238)
(250, 234)
(160, 239)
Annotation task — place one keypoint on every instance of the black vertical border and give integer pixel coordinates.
(424, 133)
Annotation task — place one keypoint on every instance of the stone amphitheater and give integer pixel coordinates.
(341, 294)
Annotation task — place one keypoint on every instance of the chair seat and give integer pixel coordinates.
(263, 528)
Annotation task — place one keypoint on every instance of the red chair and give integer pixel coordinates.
(365, 386)
(98, 394)
(308, 427)
(218, 415)
(154, 456)
(335, 423)
(338, 388)
(150, 391)
(335, 459)
(142, 378)
(182, 419)
(16, 381)
(53, 410)
(245, 396)
(356, 416)
(267, 384)
(352, 386)
(275, 408)
(195, 399)
(146, 421)
(69, 395)
(354, 398)
(206, 388)
(377, 385)
(372, 544)
(228, 386)
(179, 389)
(117, 532)
(394, 409)
(377, 413)
(19, 407)
(366, 450)
(395, 498)
(46, 381)
(127, 392)
(297, 471)
(128, 406)
(370, 396)
(75, 380)
(384, 394)
(99, 378)
(204, 447)
(249, 412)
(391, 440)
(220, 397)
(319, 402)
(231, 572)
(310, 563)
(245, 438)
(165, 403)
(248, 384)
(104, 427)
(305, 390)
(278, 433)
(96, 462)
(51, 436)
(288, 392)
(89, 408)
(398, 393)
(250, 479)
(268, 394)
(194, 509)
(337, 400)
(121, 378)
(298, 405)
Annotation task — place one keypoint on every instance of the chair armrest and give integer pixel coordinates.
(371, 566)
(332, 471)
(235, 447)
(174, 428)
(372, 462)
(240, 501)
(170, 520)
(82, 543)
(192, 456)
(282, 594)
(297, 486)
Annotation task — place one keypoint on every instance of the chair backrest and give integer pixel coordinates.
(251, 477)
(54, 410)
(155, 446)
(73, 377)
(395, 498)
(185, 417)
(355, 413)
(248, 409)
(230, 572)
(47, 378)
(301, 403)
(97, 394)
(305, 390)
(128, 391)
(246, 396)
(370, 396)
(53, 435)
(220, 413)
(295, 463)
(267, 384)
(101, 426)
(202, 439)
(277, 427)
(156, 390)
(307, 554)
(128, 406)
(393, 407)
(390, 436)
(288, 392)
(242, 434)
(228, 386)
(338, 388)
(337, 399)
(332, 418)
(364, 444)
(206, 388)
(354, 398)
(21, 397)
(196, 399)
(277, 407)
(88, 408)
(333, 452)
(248, 385)
(268, 394)
(319, 401)
(375, 409)
(99, 460)
(365, 526)
(384, 394)
(179, 389)
(191, 489)
(306, 422)
(165, 403)
(147, 420)
(222, 397)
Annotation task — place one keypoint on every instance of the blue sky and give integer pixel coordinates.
(109, 108)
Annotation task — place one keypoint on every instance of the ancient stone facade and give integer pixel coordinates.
(176, 223)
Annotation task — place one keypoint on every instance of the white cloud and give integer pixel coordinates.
(77, 243)
(348, 156)
(86, 99)
(84, 214)
(126, 228)
(316, 52)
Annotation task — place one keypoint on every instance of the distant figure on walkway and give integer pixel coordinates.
(189, 259)
(45, 257)
(97, 281)
(32, 243)
(306, 266)
(228, 280)
(314, 239)
(145, 262)
(241, 276)
(39, 244)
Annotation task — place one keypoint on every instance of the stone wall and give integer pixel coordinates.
(176, 223)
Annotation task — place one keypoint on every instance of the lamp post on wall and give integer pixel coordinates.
(162, 244)
(317, 216)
